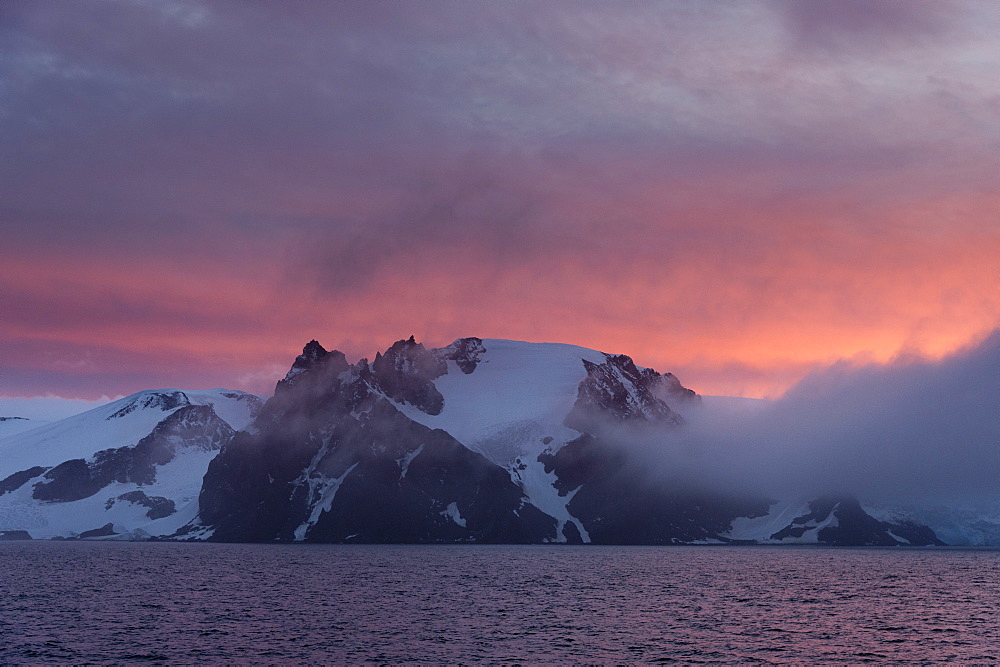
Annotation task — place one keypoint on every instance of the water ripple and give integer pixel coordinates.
(158, 602)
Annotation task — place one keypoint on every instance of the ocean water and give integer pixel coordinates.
(127, 602)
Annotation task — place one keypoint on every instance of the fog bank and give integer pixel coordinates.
(910, 431)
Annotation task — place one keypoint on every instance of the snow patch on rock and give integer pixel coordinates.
(452, 513)
(322, 491)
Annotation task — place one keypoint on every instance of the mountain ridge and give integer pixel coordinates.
(340, 448)
(480, 441)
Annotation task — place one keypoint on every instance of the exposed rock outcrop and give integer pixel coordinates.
(192, 426)
(618, 392)
(465, 352)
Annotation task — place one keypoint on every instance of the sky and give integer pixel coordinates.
(742, 193)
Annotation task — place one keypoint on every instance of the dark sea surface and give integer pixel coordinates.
(127, 602)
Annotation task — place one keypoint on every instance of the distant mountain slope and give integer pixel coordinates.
(13, 425)
(135, 463)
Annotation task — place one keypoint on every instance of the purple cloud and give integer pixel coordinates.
(675, 150)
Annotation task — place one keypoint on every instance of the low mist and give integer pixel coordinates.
(909, 431)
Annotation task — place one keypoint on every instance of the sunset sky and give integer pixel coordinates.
(738, 192)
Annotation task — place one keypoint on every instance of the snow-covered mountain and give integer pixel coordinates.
(133, 466)
(487, 441)
(12, 425)
(478, 441)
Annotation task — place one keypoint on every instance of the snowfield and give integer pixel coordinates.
(511, 408)
(14, 425)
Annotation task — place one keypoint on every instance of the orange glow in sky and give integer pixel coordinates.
(739, 194)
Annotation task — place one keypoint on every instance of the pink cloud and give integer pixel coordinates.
(191, 196)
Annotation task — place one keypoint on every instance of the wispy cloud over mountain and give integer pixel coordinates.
(910, 431)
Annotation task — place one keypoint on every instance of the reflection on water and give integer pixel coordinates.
(123, 602)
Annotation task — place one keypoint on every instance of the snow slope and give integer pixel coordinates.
(760, 529)
(122, 423)
(514, 383)
(178, 481)
(13, 425)
(511, 408)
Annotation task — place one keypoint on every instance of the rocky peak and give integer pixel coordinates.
(617, 391)
(406, 374)
(345, 464)
(311, 355)
(465, 352)
(315, 363)
(409, 357)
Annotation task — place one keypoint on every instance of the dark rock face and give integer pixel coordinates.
(329, 459)
(159, 507)
(312, 358)
(406, 374)
(465, 352)
(852, 526)
(619, 504)
(107, 530)
(403, 480)
(311, 374)
(19, 479)
(70, 480)
(914, 533)
(617, 392)
(8, 419)
(162, 400)
(191, 426)
(8, 535)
